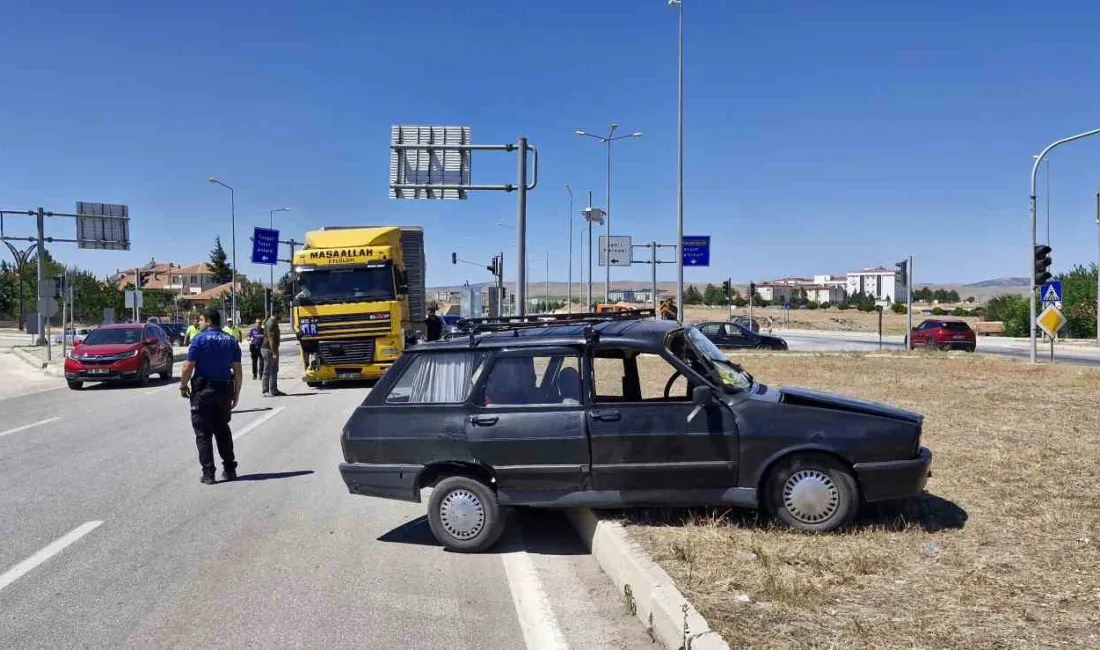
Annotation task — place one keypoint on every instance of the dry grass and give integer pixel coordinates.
(849, 320)
(1003, 552)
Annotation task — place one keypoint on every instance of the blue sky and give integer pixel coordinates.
(819, 137)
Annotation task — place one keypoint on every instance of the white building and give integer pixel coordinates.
(776, 292)
(880, 283)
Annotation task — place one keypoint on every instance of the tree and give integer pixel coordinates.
(897, 308)
(826, 304)
(1012, 311)
(953, 296)
(811, 304)
(692, 295)
(740, 302)
(1079, 301)
(218, 264)
(713, 295)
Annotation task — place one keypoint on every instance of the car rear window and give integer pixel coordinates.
(443, 378)
(955, 326)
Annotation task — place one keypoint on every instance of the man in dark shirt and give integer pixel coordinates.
(211, 380)
(255, 343)
(434, 325)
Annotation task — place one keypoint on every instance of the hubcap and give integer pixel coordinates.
(811, 496)
(462, 514)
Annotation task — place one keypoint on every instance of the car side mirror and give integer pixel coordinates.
(701, 397)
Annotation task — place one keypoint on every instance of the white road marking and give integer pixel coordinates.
(257, 422)
(536, 619)
(27, 565)
(28, 426)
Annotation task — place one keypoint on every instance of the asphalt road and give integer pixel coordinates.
(806, 341)
(107, 539)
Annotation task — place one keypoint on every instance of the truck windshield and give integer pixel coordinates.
(696, 350)
(372, 282)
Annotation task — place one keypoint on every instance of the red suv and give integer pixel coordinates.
(944, 335)
(120, 353)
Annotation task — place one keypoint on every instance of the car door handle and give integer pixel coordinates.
(605, 416)
(483, 420)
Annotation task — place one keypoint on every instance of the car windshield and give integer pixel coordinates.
(371, 282)
(690, 346)
(113, 337)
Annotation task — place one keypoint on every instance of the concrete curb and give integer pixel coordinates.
(648, 590)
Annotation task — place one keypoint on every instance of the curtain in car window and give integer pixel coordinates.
(442, 378)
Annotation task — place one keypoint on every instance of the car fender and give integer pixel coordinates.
(764, 469)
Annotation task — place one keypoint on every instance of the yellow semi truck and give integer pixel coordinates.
(360, 299)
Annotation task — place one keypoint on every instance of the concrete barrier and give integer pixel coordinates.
(647, 589)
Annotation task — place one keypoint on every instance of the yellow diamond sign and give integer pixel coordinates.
(1051, 320)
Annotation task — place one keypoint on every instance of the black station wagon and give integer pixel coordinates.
(614, 411)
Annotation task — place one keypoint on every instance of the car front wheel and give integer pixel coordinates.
(464, 515)
(814, 493)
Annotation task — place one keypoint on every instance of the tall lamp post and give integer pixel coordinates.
(679, 5)
(569, 300)
(271, 269)
(592, 216)
(608, 140)
(233, 238)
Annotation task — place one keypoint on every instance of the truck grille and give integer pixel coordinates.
(349, 351)
(376, 323)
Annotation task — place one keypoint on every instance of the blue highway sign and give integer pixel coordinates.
(696, 250)
(265, 246)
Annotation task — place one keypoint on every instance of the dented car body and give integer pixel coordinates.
(616, 412)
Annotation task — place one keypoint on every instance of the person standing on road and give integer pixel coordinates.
(255, 344)
(434, 325)
(232, 330)
(192, 331)
(211, 380)
(270, 350)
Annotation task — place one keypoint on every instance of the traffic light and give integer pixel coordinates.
(1042, 264)
(903, 272)
(494, 266)
(752, 288)
(454, 258)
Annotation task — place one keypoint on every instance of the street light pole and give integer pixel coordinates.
(233, 238)
(1098, 267)
(271, 269)
(608, 140)
(1031, 251)
(569, 299)
(680, 162)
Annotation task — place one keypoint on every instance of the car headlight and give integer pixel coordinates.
(131, 353)
(74, 356)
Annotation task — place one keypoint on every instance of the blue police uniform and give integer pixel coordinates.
(213, 352)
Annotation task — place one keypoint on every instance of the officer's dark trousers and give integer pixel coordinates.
(211, 402)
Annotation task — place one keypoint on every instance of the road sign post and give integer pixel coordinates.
(433, 162)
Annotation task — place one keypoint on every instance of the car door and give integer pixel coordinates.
(643, 440)
(527, 421)
(152, 351)
(737, 337)
(165, 346)
(713, 331)
(917, 334)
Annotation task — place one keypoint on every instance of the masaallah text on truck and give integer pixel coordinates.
(359, 300)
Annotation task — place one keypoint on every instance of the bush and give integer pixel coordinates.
(897, 308)
(810, 304)
(938, 311)
(959, 311)
(843, 305)
(826, 304)
(867, 307)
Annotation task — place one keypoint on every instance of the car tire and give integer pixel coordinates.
(464, 515)
(812, 493)
(930, 343)
(143, 374)
(75, 385)
(167, 372)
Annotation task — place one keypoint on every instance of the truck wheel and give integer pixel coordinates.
(464, 515)
(812, 493)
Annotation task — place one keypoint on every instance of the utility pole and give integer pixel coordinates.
(752, 291)
(680, 162)
(569, 297)
(1098, 267)
(41, 215)
(909, 305)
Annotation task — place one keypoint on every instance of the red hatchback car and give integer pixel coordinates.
(944, 335)
(120, 353)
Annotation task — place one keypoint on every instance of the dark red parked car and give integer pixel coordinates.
(120, 353)
(939, 334)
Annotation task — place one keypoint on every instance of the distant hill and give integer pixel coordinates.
(999, 282)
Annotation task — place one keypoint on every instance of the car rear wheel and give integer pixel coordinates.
(464, 515)
(76, 385)
(813, 493)
(930, 343)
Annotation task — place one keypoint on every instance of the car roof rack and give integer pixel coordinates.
(505, 323)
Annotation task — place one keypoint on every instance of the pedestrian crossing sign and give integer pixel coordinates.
(1051, 292)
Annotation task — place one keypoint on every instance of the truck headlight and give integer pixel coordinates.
(387, 352)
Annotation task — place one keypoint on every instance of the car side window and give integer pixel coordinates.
(609, 378)
(443, 378)
(654, 373)
(539, 379)
(735, 332)
(710, 329)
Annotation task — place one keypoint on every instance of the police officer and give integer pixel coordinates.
(211, 379)
(434, 325)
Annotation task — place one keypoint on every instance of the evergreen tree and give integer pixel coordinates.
(218, 264)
